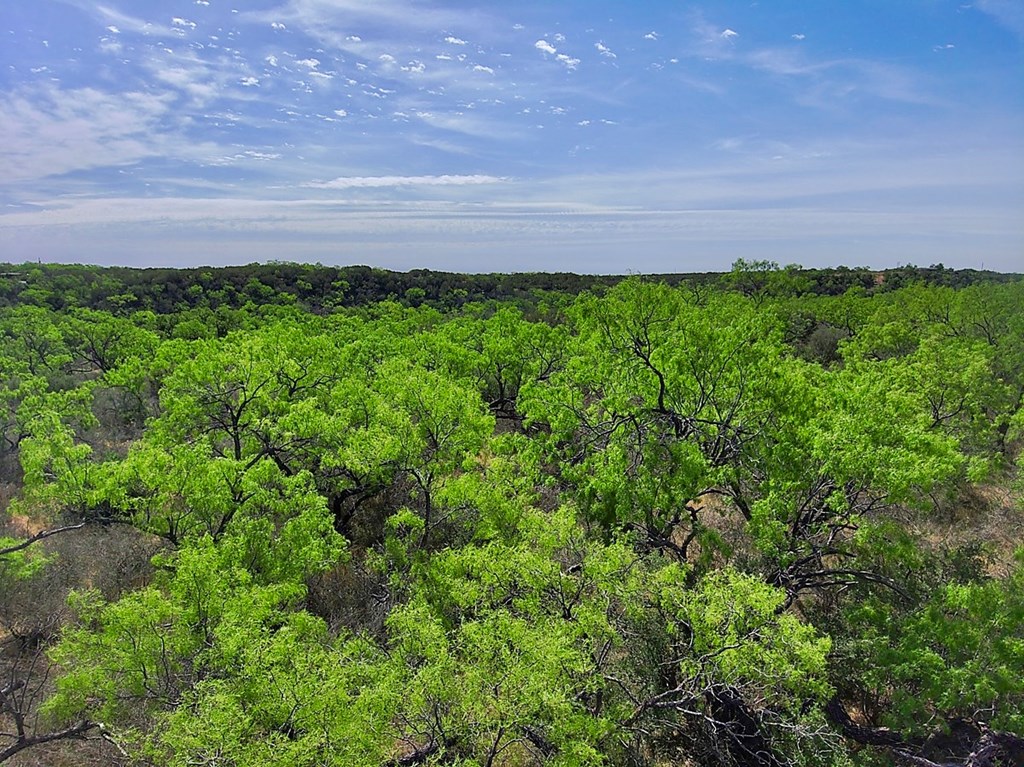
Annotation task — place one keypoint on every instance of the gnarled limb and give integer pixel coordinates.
(22, 739)
(991, 749)
(21, 545)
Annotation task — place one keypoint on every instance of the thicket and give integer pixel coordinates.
(322, 289)
(643, 525)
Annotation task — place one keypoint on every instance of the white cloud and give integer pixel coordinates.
(798, 36)
(844, 85)
(113, 30)
(372, 182)
(730, 144)
(454, 237)
(108, 15)
(249, 154)
(651, 36)
(180, 22)
(727, 33)
(192, 81)
(277, 25)
(559, 38)
(111, 46)
(470, 123)
(582, 223)
(378, 37)
(311, 63)
(52, 131)
(831, 81)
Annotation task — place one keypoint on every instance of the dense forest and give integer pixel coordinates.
(292, 515)
(320, 288)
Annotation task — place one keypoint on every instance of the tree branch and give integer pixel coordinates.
(868, 736)
(38, 537)
(74, 731)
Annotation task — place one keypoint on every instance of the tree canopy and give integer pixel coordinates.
(649, 524)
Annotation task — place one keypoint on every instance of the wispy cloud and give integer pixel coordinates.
(53, 131)
(1009, 13)
(365, 182)
(499, 236)
(109, 15)
(491, 123)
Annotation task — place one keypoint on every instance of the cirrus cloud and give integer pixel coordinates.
(368, 182)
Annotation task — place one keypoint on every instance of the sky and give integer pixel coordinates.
(593, 136)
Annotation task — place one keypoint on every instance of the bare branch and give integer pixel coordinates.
(38, 537)
(75, 731)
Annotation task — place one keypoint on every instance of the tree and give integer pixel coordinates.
(24, 682)
(637, 527)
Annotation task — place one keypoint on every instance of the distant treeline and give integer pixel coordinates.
(321, 288)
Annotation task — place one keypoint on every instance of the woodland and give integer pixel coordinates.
(308, 516)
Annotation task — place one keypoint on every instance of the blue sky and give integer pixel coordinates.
(587, 136)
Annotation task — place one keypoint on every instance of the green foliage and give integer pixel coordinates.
(147, 653)
(657, 525)
(958, 655)
(658, 392)
(740, 637)
(19, 563)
